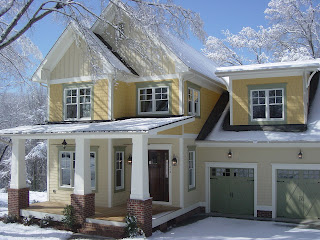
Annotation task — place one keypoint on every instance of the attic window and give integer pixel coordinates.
(120, 31)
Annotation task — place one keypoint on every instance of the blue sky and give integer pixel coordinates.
(217, 16)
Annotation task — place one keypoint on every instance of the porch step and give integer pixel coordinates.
(102, 230)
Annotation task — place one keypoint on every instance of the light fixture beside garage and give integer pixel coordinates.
(64, 143)
(129, 159)
(300, 154)
(229, 154)
(174, 160)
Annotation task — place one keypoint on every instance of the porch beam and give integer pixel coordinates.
(140, 172)
(82, 178)
(18, 164)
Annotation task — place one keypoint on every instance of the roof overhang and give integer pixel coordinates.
(97, 130)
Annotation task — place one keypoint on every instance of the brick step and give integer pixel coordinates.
(102, 230)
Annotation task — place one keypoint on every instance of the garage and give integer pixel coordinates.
(232, 190)
(298, 193)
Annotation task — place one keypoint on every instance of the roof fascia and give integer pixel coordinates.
(209, 80)
(254, 144)
(171, 125)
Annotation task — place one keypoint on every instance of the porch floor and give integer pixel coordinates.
(116, 213)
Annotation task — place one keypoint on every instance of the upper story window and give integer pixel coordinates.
(153, 100)
(267, 104)
(193, 102)
(77, 103)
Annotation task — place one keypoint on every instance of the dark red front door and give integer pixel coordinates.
(159, 175)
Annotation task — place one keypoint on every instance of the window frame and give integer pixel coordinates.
(72, 167)
(192, 112)
(154, 100)
(192, 186)
(267, 105)
(121, 187)
(78, 104)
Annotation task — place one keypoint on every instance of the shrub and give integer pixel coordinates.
(132, 230)
(11, 218)
(30, 220)
(46, 221)
(69, 219)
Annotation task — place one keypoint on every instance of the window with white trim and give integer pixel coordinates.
(153, 100)
(192, 169)
(67, 168)
(193, 102)
(267, 104)
(77, 103)
(119, 170)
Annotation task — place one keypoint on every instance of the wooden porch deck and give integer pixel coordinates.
(116, 213)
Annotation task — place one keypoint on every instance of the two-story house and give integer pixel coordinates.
(162, 134)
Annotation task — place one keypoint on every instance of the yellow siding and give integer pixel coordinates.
(175, 96)
(124, 100)
(55, 103)
(172, 131)
(294, 91)
(208, 100)
(100, 98)
(72, 64)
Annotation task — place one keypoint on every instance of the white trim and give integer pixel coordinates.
(264, 208)
(48, 171)
(78, 79)
(193, 185)
(209, 165)
(202, 82)
(255, 144)
(186, 135)
(169, 148)
(305, 96)
(121, 170)
(109, 161)
(167, 216)
(181, 169)
(152, 78)
(171, 125)
(103, 222)
(41, 215)
(193, 112)
(181, 99)
(275, 167)
(110, 99)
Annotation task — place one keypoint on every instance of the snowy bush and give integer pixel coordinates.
(132, 230)
(46, 221)
(10, 218)
(30, 220)
(69, 219)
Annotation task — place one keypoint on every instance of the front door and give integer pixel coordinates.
(159, 175)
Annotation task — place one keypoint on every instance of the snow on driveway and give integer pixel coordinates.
(236, 229)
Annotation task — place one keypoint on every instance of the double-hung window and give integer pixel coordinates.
(267, 104)
(153, 100)
(192, 168)
(193, 102)
(77, 103)
(119, 170)
(68, 165)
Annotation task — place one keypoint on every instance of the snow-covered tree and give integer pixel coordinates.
(292, 34)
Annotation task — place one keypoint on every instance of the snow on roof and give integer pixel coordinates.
(127, 125)
(314, 64)
(311, 135)
(190, 57)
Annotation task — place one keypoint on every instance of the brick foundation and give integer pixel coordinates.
(103, 230)
(17, 199)
(84, 206)
(143, 212)
(264, 214)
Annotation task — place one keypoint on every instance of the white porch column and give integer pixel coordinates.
(140, 171)
(82, 177)
(18, 164)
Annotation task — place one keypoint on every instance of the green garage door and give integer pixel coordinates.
(298, 193)
(231, 190)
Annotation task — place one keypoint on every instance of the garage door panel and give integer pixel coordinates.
(219, 194)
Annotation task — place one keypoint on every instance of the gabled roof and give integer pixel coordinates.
(65, 41)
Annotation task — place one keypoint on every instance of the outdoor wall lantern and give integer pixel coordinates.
(64, 143)
(229, 154)
(300, 154)
(174, 160)
(129, 159)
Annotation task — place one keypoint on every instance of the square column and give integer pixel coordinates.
(18, 193)
(82, 199)
(140, 203)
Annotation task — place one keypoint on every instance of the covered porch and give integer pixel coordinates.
(83, 197)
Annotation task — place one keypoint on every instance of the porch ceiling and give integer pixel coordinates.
(115, 128)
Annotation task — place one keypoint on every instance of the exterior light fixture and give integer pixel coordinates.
(129, 159)
(300, 154)
(230, 154)
(64, 143)
(174, 160)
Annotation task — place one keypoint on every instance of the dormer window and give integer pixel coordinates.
(193, 102)
(153, 100)
(77, 103)
(267, 104)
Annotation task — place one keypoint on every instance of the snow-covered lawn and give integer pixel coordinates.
(236, 229)
(18, 231)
